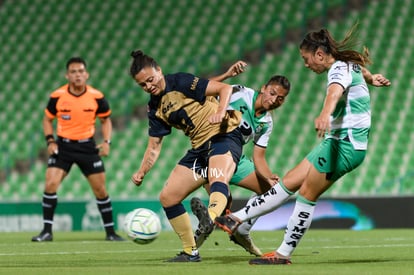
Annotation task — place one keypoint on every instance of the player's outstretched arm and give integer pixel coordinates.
(377, 80)
(262, 167)
(150, 157)
(234, 70)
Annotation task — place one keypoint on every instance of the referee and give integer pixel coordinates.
(76, 106)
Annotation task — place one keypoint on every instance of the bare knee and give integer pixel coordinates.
(168, 200)
(100, 192)
(97, 183)
(52, 185)
(54, 177)
(163, 199)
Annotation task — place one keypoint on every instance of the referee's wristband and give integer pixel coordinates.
(50, 142)
(50, 139)
(47, 137)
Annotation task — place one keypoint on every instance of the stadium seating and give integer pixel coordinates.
(187, 35)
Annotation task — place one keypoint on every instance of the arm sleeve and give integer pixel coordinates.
(340, 73)
(263, 139)
(103, 107)
(156, 127)
(51, 110)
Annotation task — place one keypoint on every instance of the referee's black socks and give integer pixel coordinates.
(105, 208)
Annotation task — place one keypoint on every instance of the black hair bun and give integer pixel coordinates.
(136, 53)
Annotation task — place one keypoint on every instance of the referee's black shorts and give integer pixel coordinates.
(84, 154)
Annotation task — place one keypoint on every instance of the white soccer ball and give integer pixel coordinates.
(142, 225)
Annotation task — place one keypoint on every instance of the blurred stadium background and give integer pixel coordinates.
(202, 37)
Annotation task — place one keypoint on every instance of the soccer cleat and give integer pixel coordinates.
(43, 237)
(246, 242)
(270, 258)
(205, 224)
(228, 206)
(228, 223)
(114, 238)
(269, 254)
(183, 257)
(200, 238)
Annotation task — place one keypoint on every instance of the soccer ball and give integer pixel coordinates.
(142, 225)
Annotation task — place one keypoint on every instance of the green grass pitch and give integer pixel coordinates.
(320, 252)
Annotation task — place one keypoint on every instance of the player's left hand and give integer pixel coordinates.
(216, 118)
(379, 80)
(237, 68)
(273, 179)
(103, 149)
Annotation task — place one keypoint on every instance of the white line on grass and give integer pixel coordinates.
(210, 249)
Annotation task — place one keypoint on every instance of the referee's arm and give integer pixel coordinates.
(106, 134)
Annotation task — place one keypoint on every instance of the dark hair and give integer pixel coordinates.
(279, 80)
(75, 60)
(340, 50)
(141, 61)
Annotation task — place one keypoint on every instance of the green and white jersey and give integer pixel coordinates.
(352, 115)
(253, 128)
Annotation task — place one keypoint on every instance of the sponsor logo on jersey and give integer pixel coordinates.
(168, 107)
(194, 84)
(356, 68)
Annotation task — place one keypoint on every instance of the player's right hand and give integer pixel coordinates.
(322, 125)
(137, 178)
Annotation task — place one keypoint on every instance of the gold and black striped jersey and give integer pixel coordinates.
(184, 105)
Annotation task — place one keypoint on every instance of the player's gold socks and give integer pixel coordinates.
(217, 204)
(182, 226)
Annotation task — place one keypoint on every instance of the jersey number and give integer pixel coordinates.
(182, 121)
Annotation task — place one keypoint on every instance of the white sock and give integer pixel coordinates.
(299, 222)
(265, 203)
(245, 227)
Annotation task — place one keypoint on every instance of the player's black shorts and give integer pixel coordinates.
(197, 159)
(84, 154)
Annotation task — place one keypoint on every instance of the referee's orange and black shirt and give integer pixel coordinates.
(76, 115)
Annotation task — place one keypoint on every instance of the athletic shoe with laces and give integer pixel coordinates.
(183, 257)
(228, 223)
(270, 258)
(205, 224)
(246, 242)
(114, 238)
(43, 237)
